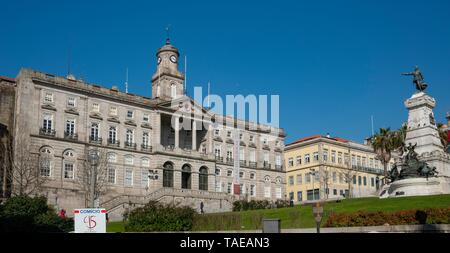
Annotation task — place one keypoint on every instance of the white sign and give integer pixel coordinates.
(90, 220)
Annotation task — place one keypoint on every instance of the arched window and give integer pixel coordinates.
(203, 179)
(129, 160)
(145, 162)
(267, 189)
(69, 164)
(45, 162)
(168, 175)
(186, 177)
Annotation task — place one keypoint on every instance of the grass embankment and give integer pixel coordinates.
(301, 216)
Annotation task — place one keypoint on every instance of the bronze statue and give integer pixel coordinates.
(412, 167)
(393, 174)
(418, 79)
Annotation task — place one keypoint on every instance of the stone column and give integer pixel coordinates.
(194, 135)
(177, 132)
(158, 129)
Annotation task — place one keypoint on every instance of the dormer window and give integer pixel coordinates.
(130, 114)
(71, 102)
(95, 107)
(48, 97)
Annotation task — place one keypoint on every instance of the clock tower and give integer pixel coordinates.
(168, 81)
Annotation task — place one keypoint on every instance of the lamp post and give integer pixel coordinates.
(313, 173)
(93, 158)
(153, 175)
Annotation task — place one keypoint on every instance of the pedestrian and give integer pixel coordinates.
(62, 214)
(201, 207)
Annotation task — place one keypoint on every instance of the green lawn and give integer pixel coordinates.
(301, 216)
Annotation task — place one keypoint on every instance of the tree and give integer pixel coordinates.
(348, 175)
(384, 143)
(92, 176)
(325, 178)
(443, 134)
(23, 169)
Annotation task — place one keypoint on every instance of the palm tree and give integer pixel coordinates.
(383, 144)
(443, 134)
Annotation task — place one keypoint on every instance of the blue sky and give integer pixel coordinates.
(333, 63)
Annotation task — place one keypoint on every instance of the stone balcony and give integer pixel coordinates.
(95, 140)
(146, 148)
(70, 136)
(171, 150)
(113, 143)
(47, 132)
(130, 145)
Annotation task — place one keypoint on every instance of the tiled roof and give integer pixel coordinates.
(317, 137)
(8, 79)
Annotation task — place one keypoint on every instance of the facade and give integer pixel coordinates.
(147, 151)
(321, 167)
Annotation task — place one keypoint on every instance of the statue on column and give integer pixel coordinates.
(418, 79)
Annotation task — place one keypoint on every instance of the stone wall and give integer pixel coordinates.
(7, 100)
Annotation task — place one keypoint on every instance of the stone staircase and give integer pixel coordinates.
(157, 195)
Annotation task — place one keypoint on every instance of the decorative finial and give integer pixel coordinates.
(168, 35)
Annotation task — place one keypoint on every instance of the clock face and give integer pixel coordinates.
(159, 60)
(173, 58)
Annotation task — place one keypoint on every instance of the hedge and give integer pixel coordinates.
(407, 217)
(244, 205)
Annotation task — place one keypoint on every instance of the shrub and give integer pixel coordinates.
(26, 214)
(408, 217)
(244, 205)
(160, 217)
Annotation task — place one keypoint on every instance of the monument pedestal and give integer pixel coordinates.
(423, 132)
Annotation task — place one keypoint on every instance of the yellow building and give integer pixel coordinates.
(326, 168)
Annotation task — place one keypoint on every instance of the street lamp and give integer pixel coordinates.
(153, 175)
(313, 173)
(93, 159)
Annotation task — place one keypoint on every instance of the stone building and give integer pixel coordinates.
(322, 167)
(59, 119)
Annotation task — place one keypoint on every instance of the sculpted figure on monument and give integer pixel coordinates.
(417, 79)
(412, 167)
(393, 174)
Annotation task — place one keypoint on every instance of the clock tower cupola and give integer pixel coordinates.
(167, 82)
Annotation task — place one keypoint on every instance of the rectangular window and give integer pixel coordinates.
(299, 179)
(267, 192)
(94, 131)
(95, 107)
(365, 180)
(316, 156)
(48, 97)
(113, 111)
(68, 171)
(334, 192)
(307, 159)
(128, 177)
(341, 178)
(144, 178)
(308, 177)
(229, 187)
(70, 127)
(229, 173)
(130, 136)
(354, 179)
(146, 118)
(45, 168)
(359, 180)
(278, 160)
(145, 139)
(333, 156)
(372, 182)
(299, 160)
(112, 134)
(252, 155)
(339, 158)
(111, 175)
(266, 157)
(278, 193)
(325, 155)
(252, 190)
(334, 177)
(291, 180)
(71, 102)
(299, 196)
(130, 114)
(48, 122)
(290, 162)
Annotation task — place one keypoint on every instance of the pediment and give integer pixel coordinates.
(185, 104)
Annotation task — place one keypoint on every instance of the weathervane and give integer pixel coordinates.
(418, 79)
